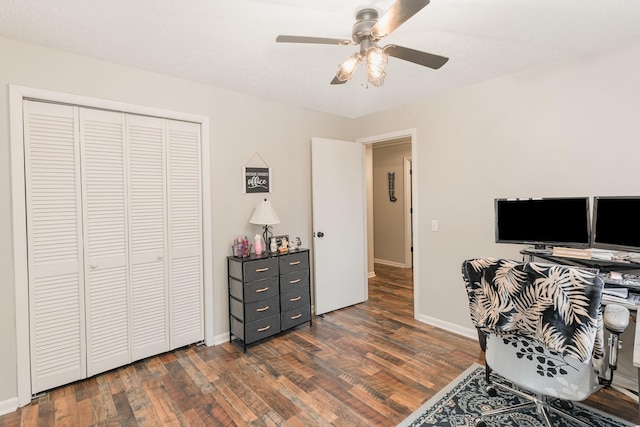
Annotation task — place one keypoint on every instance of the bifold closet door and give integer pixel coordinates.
(114, 234)
(147, 236)
(54, 240)
(185, 233)
(105, 239)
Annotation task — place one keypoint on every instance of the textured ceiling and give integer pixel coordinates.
(231, 43)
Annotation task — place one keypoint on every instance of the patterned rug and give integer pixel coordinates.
(461, 402)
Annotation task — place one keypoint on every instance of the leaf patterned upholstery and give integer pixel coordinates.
(555, 305)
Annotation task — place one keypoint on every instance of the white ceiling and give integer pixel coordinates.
(231, 43)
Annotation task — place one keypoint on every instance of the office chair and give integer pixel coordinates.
(543, 330)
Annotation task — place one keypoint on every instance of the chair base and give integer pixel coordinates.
(538, 402)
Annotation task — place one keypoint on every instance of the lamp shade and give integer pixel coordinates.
(264, 214)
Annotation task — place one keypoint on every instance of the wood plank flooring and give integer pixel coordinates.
(367, 365)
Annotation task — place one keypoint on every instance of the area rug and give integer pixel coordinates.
(461, 402)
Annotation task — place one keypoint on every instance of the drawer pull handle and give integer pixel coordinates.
(294, 281)
(297, 316)
(262, 309)
(262, 270)
(295, 299)
(262, 290)
(294, 263)
(264, 329)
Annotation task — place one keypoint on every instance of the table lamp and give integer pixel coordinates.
(265, 215)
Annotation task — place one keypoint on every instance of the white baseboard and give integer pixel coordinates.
(8, 406)
(221, 339)
(447, 326)
(389, 263)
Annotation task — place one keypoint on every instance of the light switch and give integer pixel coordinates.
(434, 225)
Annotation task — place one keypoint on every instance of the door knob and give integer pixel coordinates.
(320, 234)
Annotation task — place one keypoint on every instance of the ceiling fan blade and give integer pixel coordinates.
(316, 40)
(397, 14)
(416, 56)
(336, 81)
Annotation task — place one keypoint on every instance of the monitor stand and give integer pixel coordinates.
(540, 249)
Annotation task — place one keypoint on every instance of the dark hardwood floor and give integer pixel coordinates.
(366, 365)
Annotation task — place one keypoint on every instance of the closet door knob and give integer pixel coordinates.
(160, 257)
(93, 265)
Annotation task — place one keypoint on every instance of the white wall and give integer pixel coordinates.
(572, 129)
(240, 126)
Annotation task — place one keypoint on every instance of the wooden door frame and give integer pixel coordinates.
(412, 134)
(21, 278)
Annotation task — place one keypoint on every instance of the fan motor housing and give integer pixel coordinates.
(365, 20)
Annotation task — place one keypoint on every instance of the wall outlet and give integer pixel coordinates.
(434, 225)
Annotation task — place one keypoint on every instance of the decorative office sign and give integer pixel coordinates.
(256, 180)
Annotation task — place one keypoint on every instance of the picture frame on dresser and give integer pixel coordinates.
(268, 295)
(279, 239)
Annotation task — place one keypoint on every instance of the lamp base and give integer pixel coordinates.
(266, 235)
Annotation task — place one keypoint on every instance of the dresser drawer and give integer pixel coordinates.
(253, 291)
(262, 328)
(260, 269)
(295, 317)
(294, 280)
(294, 261)
(292, 300)
(254, 310)
(261, 289)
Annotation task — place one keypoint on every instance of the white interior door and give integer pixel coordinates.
(147, 236)
(105, 239)
(55, 253)
(339, 223)
(185, 233)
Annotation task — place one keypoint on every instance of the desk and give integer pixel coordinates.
(601, 264)
(628, 373)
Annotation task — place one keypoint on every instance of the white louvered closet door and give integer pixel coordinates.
(185, 233)
(147, 236)
(54, 230)
(105, 239)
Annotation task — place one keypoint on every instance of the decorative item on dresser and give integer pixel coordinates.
(266, 216)
(268, 294)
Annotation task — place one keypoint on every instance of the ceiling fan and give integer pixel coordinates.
(367, 32)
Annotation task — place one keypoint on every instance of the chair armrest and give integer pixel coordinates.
(616, 318)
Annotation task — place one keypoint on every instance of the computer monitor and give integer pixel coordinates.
(544, 222)
(616, 223)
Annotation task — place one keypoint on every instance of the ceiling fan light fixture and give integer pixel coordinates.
(378, 80)
(346, 69)
(377, 61)
(366, 32)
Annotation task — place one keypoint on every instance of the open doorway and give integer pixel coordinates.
(409, 227)
(391, 202)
